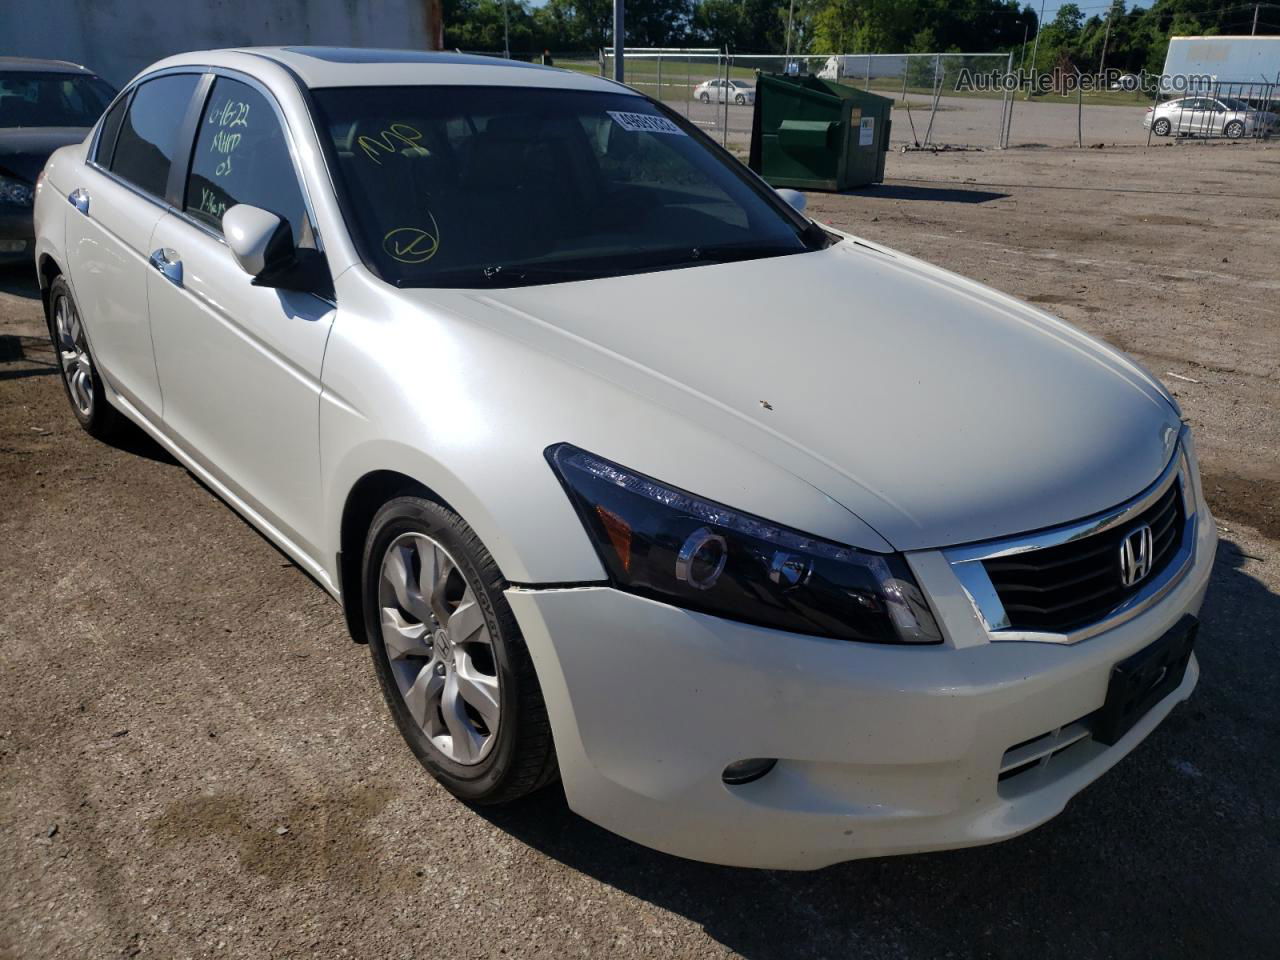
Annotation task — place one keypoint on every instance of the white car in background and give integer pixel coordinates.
(1208, 116)
(778, 547)
(735, 91)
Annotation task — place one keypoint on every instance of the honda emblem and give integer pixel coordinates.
(1135, 556)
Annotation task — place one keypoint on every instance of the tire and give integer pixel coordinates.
(740, 100)
(1161, 127)
(80, 377)
(1234, 129)
(489, 740)
(704, 97)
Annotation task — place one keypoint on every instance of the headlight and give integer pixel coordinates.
(15, 191)
(669, 545)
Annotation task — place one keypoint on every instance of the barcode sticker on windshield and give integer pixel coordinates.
(644, 123)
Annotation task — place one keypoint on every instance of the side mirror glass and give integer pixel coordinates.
(260, 241)
(793, 197)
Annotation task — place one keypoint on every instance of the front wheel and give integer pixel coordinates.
(1234, 129)
(1161, 127)
(449, 656)
(705, 97)
(740, 100)
(80, 377)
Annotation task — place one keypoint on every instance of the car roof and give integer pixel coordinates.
(32, 65)
(319, 67)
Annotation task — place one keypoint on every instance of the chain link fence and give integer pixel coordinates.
(940, 101)
(716, 89)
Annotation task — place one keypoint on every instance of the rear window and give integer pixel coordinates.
(52, 99)
(148, 138)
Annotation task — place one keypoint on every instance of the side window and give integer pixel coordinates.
(241, 156)
(110, 127)
(148, 137)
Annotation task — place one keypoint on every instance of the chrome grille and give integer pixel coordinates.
(1060, 588)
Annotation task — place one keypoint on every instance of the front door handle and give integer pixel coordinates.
(79, 198)
(169, 264)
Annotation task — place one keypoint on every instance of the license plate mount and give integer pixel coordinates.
(1142, 680)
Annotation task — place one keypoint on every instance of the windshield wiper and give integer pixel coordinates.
(509, 275)
(729, 252)
(514, 275)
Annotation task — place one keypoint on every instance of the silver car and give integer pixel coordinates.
(734, 91)
(1209, 117)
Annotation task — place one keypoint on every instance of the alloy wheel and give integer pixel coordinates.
(73, 350)
(439, 648)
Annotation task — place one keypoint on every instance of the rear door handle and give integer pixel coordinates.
(169, 264)
(79, 198)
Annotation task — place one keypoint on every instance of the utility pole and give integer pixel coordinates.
(791, 16)
(1102, 66)
(619, 36)
(1255, 20)
(1035, 47)
(1022, 61)
(506, 31)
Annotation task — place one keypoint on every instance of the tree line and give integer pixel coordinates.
(1117, 35)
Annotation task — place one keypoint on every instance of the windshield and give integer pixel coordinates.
(503, 186)
(52, 99)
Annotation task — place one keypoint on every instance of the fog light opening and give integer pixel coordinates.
(747, 771)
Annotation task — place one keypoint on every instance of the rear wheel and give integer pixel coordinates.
(1234, 129)
(1161, 127)
(80, 377)
(450, 659)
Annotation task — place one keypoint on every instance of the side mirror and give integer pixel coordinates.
(793, 197)
(262, 244)
(260, 241)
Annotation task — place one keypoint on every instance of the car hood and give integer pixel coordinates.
(24, 150)
(936, 410)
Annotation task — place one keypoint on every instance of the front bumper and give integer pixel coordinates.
(882, 749)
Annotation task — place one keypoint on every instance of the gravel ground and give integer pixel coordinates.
(194, 760)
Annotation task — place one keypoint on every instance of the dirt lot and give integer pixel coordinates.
(194, 760)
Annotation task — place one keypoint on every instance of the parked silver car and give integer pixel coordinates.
(1209, 117)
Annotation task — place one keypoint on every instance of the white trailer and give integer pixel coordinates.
(1224, 61)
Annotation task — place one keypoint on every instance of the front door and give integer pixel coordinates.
(240, 364)
(118, 202)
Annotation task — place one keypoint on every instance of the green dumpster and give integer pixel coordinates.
(813, 134)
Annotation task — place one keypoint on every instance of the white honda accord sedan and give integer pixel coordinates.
(779, 548)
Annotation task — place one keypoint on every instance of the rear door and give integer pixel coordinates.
(1200, 117)
(118, 198)
(240, 364)
(1181, 113)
